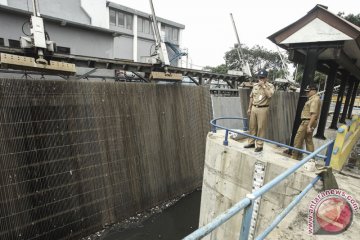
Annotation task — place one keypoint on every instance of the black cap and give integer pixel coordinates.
(262, 73)
(311, 87)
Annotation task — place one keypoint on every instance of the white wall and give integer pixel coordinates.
(135, 39)
(98, 12)
(180, 42)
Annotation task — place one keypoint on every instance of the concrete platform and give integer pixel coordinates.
(228, 177)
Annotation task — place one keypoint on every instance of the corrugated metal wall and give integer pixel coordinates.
(75, 156)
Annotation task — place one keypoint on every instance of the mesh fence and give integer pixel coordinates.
(75, 156)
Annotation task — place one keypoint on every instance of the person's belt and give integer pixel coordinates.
(260, 106)
(305, 119)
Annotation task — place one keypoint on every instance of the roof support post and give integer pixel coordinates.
(353, 97)
(347, 100)
(327, 101)
(201, 82)
(308, 78)
(339, 102)
(235, 84)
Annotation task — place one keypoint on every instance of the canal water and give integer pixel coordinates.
(174, 222)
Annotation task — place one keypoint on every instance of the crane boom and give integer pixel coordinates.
(160, 48)
(239, 50)
(246, 68)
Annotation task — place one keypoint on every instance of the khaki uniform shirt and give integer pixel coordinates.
(258, 94)
(311, 106)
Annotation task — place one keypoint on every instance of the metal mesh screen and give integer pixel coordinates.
(75, 156)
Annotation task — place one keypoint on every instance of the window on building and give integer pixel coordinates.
(171, 33)
(140, 24)
(121, 19)
(112, 17)
(175, 34)
(168, 33)
(128, 21)
(144, 25)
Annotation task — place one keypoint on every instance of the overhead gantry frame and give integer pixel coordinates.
(197, 76)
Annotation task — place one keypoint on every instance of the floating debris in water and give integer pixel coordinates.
(135, 221)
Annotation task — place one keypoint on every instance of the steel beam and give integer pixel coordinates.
(317, 45)
(347, 100)
(353, 97)
(308, 78)
(339, 102)
(348, 63)
(127, 65)
(139, 76)
(85, 75)
(194, 80)
(327, 101)
(322, 65)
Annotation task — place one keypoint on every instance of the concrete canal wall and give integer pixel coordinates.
(75, 156)
(229, 176)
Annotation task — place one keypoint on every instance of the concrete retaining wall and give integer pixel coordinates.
(75, 156)
(228, 177)
(282, 112)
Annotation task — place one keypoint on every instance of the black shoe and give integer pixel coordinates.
(288, 151)
(249, 146)
(258, 149)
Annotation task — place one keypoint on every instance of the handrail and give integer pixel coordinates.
(245, 122)
(248, 202)
(227, 130)
(283, 214)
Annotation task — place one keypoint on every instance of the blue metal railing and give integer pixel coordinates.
(283, 214)
(245, 123)
(248, 202)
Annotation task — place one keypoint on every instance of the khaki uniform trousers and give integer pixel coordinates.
(258, 123)
(302, 135)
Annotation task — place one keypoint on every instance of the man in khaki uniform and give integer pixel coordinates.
(309, 117)
(259, 110)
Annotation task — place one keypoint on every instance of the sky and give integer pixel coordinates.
(209, 32)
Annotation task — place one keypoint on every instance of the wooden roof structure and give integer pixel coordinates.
(339, 38)
(324, 42)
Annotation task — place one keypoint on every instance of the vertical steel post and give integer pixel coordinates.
(226, 142)
(329, 153)
(327, 101)
(347, 100)
(339, 102)
(246, 221)
(353, 97)
(245, 124)
(308, 78)
(201, 82)
(214, 127)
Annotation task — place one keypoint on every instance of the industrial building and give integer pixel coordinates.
(78, 158)
(97, 28)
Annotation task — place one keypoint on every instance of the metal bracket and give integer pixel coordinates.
(29, 63)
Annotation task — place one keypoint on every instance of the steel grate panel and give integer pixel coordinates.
(75, 156)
